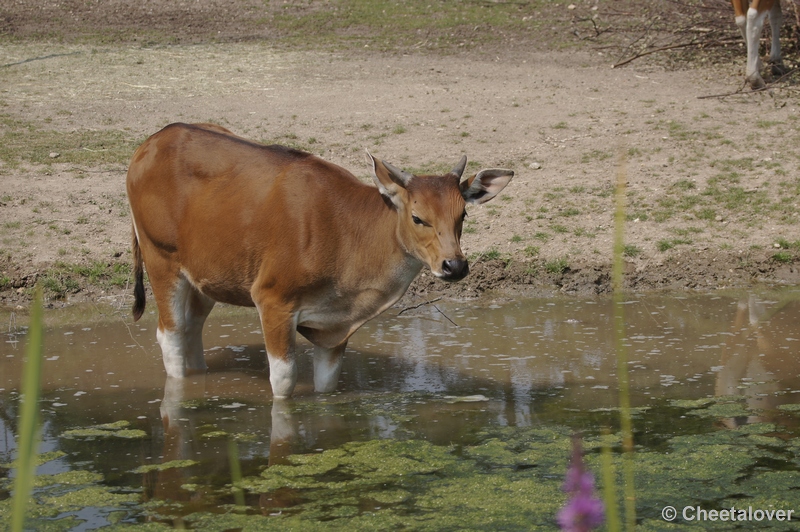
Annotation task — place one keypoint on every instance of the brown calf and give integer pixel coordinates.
(219, 218)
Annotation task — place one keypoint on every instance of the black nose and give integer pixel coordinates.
(454, 269)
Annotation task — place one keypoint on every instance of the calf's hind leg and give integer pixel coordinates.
(182, 311)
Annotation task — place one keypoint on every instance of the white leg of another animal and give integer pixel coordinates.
(775, 23)
(755, 25)
(282, 375)
(741, 21)
(327, 367)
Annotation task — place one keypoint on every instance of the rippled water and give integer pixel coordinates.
(440, 373)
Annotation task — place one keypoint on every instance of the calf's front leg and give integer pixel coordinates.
(327, 367)
(279, 340)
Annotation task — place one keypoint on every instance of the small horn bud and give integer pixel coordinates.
(458, 170)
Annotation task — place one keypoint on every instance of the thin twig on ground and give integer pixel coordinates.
(420, 305)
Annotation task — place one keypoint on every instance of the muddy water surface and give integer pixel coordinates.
(443, 374)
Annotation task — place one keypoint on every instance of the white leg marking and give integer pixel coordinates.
(182, 349)
(282, 366)
(282, 375)
(741, 21)
(173, 350)
(755, 25)
(327, 367)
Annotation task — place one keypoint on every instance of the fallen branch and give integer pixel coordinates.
(768, 86)
(445, 315)
(420, 305)
(672, 47)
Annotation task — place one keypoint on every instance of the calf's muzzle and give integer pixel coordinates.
(454, 269)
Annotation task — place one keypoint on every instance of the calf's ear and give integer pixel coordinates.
(485, 185)
(389, 180)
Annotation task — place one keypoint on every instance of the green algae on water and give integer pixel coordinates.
(691, 403)
(41, 458)
(715, 407)
(417, 485)
(59, 497)
(173, 464)
(118, 429)
(794, 408)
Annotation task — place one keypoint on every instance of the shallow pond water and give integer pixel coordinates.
(448, 417)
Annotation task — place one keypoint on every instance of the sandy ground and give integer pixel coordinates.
(712, 183)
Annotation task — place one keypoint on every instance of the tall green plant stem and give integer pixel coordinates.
(626, 424)
(28, 432)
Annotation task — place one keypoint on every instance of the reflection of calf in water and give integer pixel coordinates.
(184, 431)
(755, 363)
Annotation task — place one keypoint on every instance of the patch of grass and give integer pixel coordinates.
(557, 266)
(665, 245)
(785, 244)
(684, 184)
(491, 254)
(595, 156)
(434, 24)
(63, 278)
(707, 213)
(636, 215)
(784, 257)
(631, 250)
(21, 141)
(669, 243)
(531, 251)
(681, 231)
(516, 238)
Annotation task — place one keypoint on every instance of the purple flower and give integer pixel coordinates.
(583, 511)
(581, 514)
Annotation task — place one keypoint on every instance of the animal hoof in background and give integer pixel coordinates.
(756, 82)
(778, 69)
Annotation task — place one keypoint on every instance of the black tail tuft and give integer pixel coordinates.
(139, 300)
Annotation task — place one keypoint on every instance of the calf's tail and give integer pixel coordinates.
(139, 300)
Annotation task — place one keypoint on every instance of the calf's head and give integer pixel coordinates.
(431, 211)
